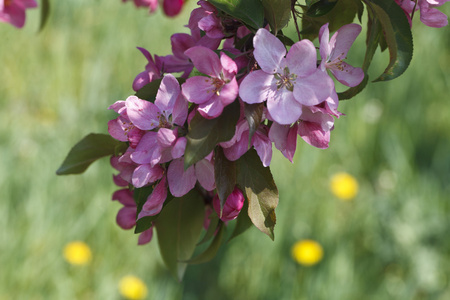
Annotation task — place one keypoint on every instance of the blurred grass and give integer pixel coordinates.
(391, 242)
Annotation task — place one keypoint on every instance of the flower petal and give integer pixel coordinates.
(180, 181)
(143, 114)
(205, 60)
(269, 51)
(302, 58)
(256, 87)
(283, 107)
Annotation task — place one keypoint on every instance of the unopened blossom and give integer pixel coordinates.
(172, 7)
(13, 11)
(334, 51)
(216, 91)
(151, 4)
(232, 206)
(285, 81)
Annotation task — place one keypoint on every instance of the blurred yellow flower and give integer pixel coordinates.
(77, 253)
(344, 186)
(307, 252)
(132, 288)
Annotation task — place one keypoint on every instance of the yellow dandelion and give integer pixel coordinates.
(344, 186)
(307, 252)
(133, 288)
(77, 253)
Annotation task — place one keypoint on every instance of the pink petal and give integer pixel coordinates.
(343, 40)
(143, 114)
(229, 66)
(145, 174)
(179, 148)
(205, 60)
(348, 75)
(155, 201)
(180, 111)
(180, 43)
(125, 197)
(198, 89)
(180, 181)
(146, 236)
(147, 150)
(256, 87)
(204, 171)
(302, 58)
(126, 217)
(269, 51)
(166, 137)
(168, 92)
(263, 147)
(313, 89)
(116, 131)
(235, 151)
(324, 35)
(283, 107)
(313, 134)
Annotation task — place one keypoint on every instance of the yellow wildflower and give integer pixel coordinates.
(344, 186)
(77, 253)
(133, 288)
(307, 252)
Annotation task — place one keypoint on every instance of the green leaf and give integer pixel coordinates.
(205, 134)
(224, 175)
(260, 189)
(86, 151)
(214, 223)
(277, 13)
(140, 196)
(211, 251)
(253, 114)
(342, 13)
(250, 12)
(178, 229)
(45, 13)
(398, 36)
(148, 92)
(243, 222)
(321, 8)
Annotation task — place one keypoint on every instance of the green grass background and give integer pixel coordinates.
(391, 242)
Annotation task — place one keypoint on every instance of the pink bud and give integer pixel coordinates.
(172, 7)
(232, 207)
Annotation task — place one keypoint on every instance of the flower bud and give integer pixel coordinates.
(172, 7)
(232, 207)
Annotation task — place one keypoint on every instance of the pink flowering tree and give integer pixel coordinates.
(192, 148)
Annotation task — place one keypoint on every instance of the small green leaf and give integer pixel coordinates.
(205, 134)
(243, 222)
(148, 92)
(250, 12)
(211, 251)
(45, 13)
(343, 12)
(260, 189)
(178, 229)
(253, 114)
(277, 13)
(225, 176)
(86, 151)
(321, 8)
(397, 33)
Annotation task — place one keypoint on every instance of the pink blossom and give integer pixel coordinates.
(13, 11)
(333, 53)
(238, 145)
(232, 206)
(121, 128)
(125, 166)
(216, 91)
(286, 82)
(429, 15)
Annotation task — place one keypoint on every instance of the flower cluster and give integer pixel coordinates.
(293, 89)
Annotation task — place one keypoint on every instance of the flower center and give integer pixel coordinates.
(337, 63)
(163, 122)
(217, 83)
(286, 80)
